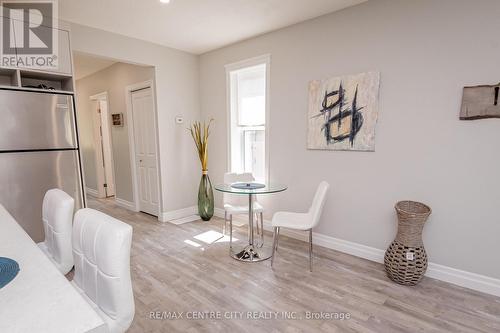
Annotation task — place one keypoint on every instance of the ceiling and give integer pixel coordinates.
(86, 65)
(195, 26)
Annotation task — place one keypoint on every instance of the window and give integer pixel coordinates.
(248, 113)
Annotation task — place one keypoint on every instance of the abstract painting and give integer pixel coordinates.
(343, 112)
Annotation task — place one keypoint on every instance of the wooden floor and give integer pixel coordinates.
(174, 271)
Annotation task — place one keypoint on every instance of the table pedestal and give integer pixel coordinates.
(250, 252)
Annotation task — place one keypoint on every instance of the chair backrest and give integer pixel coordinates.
(236, 199)
(101, 250)
(318, 203)
(57, 216)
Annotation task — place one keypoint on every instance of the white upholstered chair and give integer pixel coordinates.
(235, 204)
(301, 221)
(57, 217)
(101, 250)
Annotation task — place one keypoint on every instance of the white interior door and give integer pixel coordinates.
(99, 151)
(103, 148)
(109, 185)
(145, 150)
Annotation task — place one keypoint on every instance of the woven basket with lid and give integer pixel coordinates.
(405, 259)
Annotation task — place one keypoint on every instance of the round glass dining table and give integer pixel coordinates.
(250, 253)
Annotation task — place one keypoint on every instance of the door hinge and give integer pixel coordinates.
(105, 185)
(99, 111)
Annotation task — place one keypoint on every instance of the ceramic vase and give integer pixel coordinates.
(205, 198)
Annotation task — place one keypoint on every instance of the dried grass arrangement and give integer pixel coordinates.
(200, 133)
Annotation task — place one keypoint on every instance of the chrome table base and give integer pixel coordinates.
(253, 251)
(250, 254)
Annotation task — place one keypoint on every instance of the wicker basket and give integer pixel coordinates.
(405, 259)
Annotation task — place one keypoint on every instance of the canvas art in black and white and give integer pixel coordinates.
(343, 112)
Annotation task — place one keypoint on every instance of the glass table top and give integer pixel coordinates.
(268, 188)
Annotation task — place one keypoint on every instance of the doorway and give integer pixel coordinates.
(141, 111)
(107, 84)
(104, 151)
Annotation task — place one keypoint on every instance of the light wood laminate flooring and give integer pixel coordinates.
(176, 272)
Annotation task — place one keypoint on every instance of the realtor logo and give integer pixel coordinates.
(29, 34)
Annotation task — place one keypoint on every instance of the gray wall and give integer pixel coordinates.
(426, 52)
(112, 80)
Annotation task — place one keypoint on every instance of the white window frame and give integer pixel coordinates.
(260, 60)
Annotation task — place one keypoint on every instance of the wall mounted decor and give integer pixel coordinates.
(480, 102)
(343, 112)
(406, 260)
(117, 119)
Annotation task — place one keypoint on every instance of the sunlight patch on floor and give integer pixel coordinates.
(190, 242)
(212, 236)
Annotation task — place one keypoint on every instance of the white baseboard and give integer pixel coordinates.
(355, 249)
(465, 279)
(187, 219)
(125, 204)
(455, 276)
(179, 214)
(92, 192)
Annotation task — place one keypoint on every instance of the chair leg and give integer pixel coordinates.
(277, 237)
(275, 244)
(261, 229)
(310, 250)
(256, 216)
(225, 223)
(230, 233)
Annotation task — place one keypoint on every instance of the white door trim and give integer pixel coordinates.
(103, 96)
(131, 140)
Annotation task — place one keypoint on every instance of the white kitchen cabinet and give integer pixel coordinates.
(64, 54)
(64, 65)
(9, 60)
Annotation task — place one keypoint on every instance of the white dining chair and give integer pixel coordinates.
(235, 204)
(101, 250)
(57, 218)
(301, 221)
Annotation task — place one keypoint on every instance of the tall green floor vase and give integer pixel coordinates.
(205, 198)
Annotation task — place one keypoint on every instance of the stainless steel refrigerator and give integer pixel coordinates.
(38, 151)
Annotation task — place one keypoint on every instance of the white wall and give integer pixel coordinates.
(426, 52)
(177, 92)
(112, 80)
